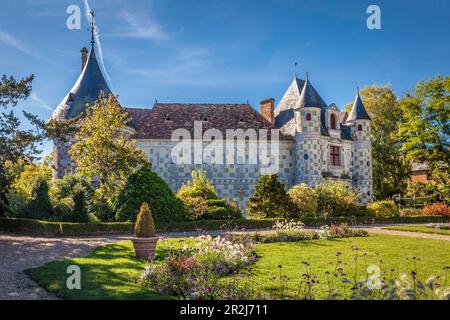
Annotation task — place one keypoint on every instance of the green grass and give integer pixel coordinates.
(109, 272)
(423, 229)
(321, 254)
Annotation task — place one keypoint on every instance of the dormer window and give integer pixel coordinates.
(359, 127)
(205, 119)
(168, 119)
(333, 122)
(308, 117)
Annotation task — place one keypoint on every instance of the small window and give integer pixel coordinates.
(308, 117)
(168, 118)
(333, 121)
(306, 157)
(335, 156)
(359, 127)
(204, 119)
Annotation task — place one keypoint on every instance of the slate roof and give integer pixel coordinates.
(160, 121)
(90, 84)
(358, 111)
(309, 97)
(296, 97)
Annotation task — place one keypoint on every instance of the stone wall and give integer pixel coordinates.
(232, 181)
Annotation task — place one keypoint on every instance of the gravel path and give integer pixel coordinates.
(423, 235)
(18, 253)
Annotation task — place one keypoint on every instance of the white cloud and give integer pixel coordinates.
(140, 27)
(36, 100)
(11, 41)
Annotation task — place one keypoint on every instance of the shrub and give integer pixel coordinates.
(200, 186)
(335, 199)
(79, 212)
(437, 209)
(219, 209)
(39, 206)
(71, 198)
(385, 208)
(304, 200)
(269, 199)
(405, 212)
(145, 226)
(145, 186)
(197, 207)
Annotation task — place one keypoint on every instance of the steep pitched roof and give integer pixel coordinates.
(90, 84)
(358, 111)
(160, 121)
(309, 97)
(284, 113)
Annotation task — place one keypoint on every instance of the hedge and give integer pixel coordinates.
(45, 228)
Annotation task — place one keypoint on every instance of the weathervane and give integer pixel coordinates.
(92, 27)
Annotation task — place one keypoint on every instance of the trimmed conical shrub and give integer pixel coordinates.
(144, 185)
(145, 226)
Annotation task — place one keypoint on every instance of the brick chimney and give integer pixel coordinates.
(267, 109)
(84, 57)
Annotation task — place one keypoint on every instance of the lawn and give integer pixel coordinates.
(109, 272)
(423, 229)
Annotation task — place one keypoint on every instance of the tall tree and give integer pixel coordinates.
(104, 148)
(424, 127)
(390, 169)
(15, 143)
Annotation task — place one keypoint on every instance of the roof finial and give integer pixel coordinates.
(357, 90)
(295, 69)
(92, 27)
(307, 76)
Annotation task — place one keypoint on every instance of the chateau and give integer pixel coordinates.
(316, 141)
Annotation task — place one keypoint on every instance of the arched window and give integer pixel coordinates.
(359, 127)
(308, 117)
(333, 121)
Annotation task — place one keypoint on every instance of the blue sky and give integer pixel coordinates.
(225, 51)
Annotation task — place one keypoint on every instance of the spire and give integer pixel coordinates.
(88, 88)
(309, 97)
(92, 27)
(358, 111)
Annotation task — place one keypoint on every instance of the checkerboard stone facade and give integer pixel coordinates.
(231, 181)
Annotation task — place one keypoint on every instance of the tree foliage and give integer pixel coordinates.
(304, 200)
(15, 144)
(199, 187)
(104, 148)
(269, 199)
(424, 128)
(390, 168)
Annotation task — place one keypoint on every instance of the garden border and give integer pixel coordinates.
(67, 229)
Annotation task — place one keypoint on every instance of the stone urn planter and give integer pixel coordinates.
(145, 242)
(145, 247)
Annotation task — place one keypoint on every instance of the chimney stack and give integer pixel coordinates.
(267, 109)
(84, 57)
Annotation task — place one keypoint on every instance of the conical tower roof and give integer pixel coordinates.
(358, 111)
(89, 86)
(309, 97)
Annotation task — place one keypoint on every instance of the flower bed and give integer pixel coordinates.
(291, 231)
(199, 272)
